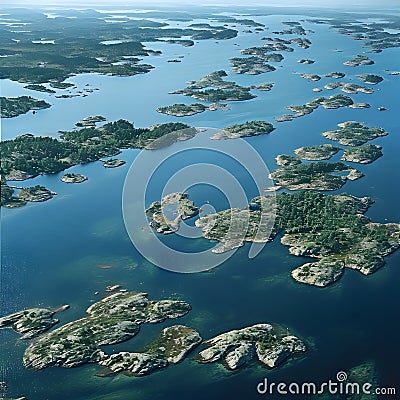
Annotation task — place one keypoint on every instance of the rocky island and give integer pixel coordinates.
(311, 77)
(267, 86)
(364, 154)
(335, 75)
(306, 61)
(330, 102)
(113, 163)
(39, 88)
(330, 228)
(254, 65)
(359, 60)
(13, 106)
(316, 153)
(90, 122)
(250, 128)
(35, 194)
(167, 214)
(272, 346)
(73, 178)
(213, 87)
(353, 133)
(349, 87)
(371, 79)
(170, 347)
(114, 319)
(182, 110)
(32, 322)
(314, 176)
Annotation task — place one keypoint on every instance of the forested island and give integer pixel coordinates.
(250, 128)
(27, 156)
(330, 102)
(330, 228)
(13, 106)
(315, 153)
(213, 87)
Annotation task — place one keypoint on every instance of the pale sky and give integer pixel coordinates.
(378, 4)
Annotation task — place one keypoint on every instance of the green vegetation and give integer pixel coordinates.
(39, 88)
(85, 43)
(314, 176)
(330, 102)
(182, 110)
(331, 228)
(28, 155)
(212, 88)
(35, 193)
(335, 75)
(371, 79)
(349, 87)
(311, 77)
(359, 60)
(14, 106)
(364, 154)
(263, 53)
(253, 65)
(320, 152)
(354, 133)
(250, 128)
(267, 86)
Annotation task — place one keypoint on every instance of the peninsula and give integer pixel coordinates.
(13, 106)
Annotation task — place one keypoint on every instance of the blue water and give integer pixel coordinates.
(52, 252)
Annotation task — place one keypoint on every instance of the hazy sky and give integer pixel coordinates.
(325, 3)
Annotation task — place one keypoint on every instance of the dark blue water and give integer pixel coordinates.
(53, 252)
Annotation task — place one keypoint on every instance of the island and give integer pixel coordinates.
(36, 193)
(27, 155)
(182, 110)
(112, 320)
(253, 65)
(364, 154)
(314, 176)
(182, 42)
(39, 88)
(330, 102)
(353, 133)
(32, 322)
(285, 160)
(62, 85)
(349, 87)
(13, 106)
(316, 153)
(118, 317)
(267, 86)
(311, 77)
(90, 122)
(278, 44)
(113, 163)
(335, 75)
(330, 228)
(264, 53)
(170, 347)
(359, 60)
(306, 61)
(250, 128)
(73, 178)
(213, 87)
(371, 79)
(272, 346)
(360, 105)
(167, 214)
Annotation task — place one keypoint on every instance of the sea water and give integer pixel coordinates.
(65, 250)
